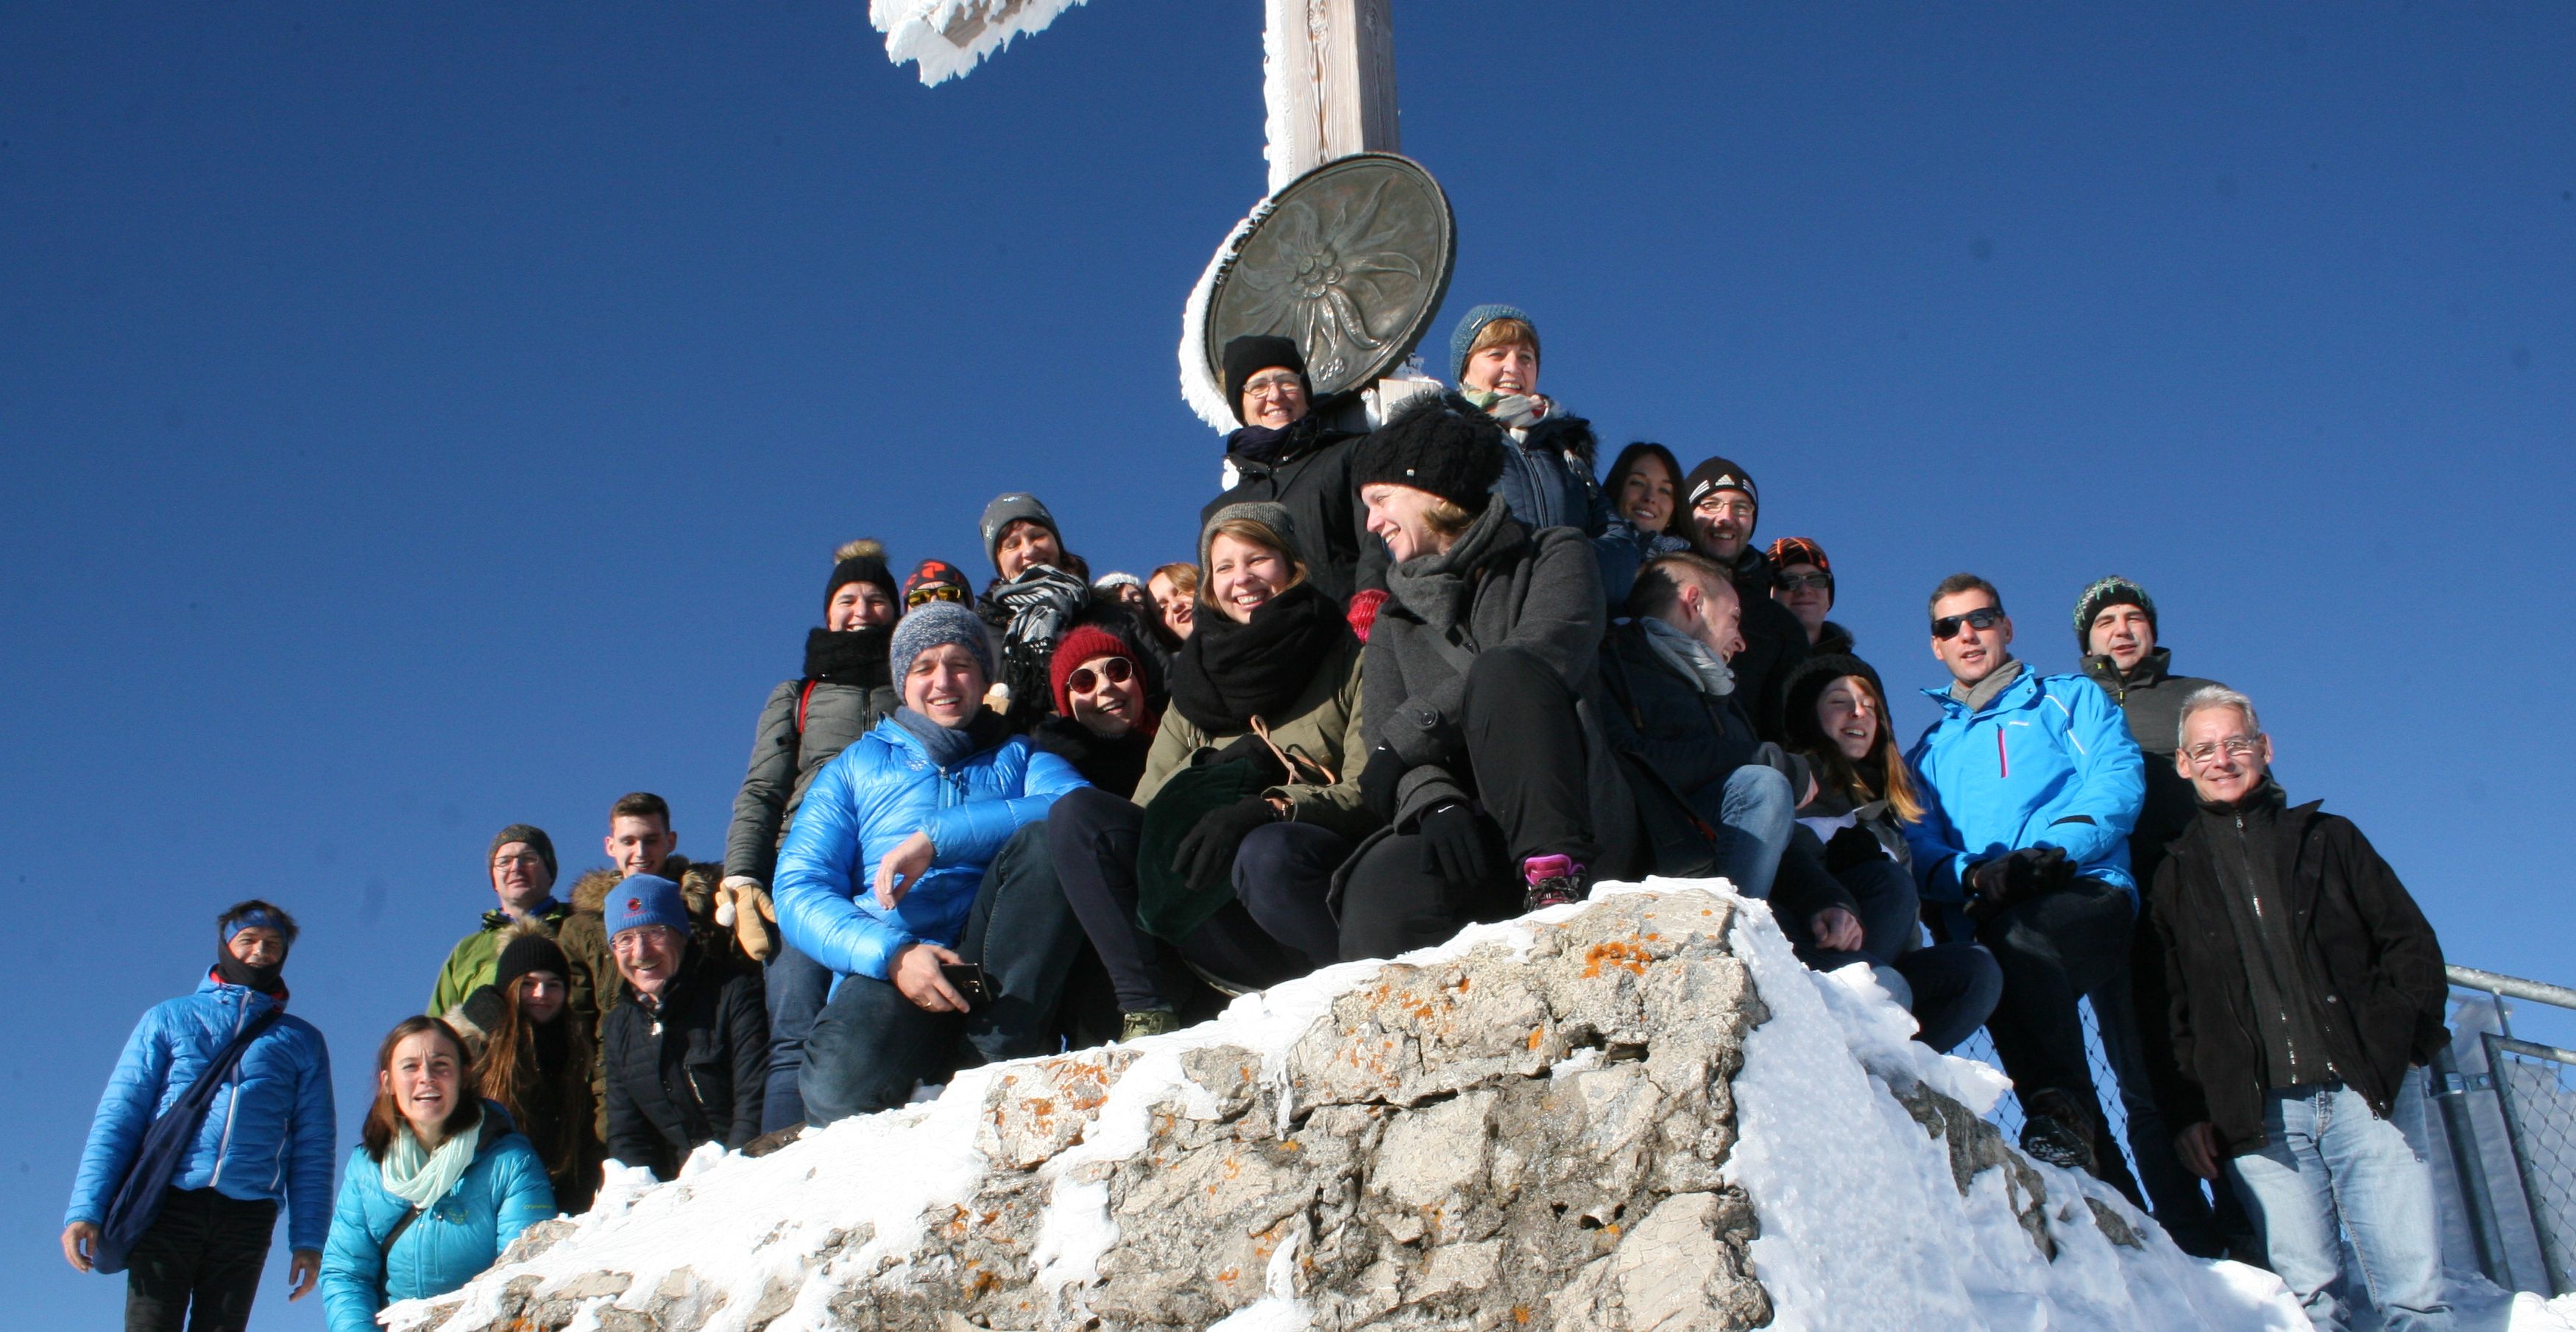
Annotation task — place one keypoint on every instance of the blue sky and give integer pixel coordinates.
(417, 420)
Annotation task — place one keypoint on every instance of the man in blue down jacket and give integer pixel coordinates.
(883, 880)
(2035, 785)
(266, 1139)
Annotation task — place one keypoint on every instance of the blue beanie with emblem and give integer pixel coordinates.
(1463, 338)
(644, 899)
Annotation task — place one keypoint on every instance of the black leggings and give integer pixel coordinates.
(1525, 757)
(1275, 929)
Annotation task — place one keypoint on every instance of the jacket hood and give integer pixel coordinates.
(697, 884)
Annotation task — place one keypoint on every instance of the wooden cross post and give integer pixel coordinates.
(1328, 81)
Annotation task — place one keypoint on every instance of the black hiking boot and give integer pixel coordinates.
(2056, 1129)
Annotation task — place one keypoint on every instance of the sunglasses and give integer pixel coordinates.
(930, 592)
(1983, 617)
(1806, 582)
(1084, 679)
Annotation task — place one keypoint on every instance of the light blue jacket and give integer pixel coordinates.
(267, 1134)
(455, 1239)
(863, 803)
(2047, 762)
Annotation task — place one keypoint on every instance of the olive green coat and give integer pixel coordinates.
(1323, 726)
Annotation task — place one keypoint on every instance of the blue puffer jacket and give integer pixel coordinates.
(866, 801)
(267, 1135)
(1543, 487)
(2047, 762)
(455, 1239)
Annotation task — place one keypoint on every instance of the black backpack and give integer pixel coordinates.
(138, 1200)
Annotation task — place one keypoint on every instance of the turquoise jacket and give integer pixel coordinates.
(864, 803)
(460, 1235)
(2047, 762)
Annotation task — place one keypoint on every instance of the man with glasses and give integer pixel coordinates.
(685, 1056)
(2035, 785)
(521, 864)
(2307, 992)
(1719, 509)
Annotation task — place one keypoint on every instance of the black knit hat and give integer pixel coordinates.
(1714, 475)
(537, 841)
(1807, 684)
(1444, 445)
(861, 561)
(529, 950)
(1249, 356)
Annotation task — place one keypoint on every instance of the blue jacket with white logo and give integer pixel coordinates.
(863, 804)
(267, 1134)
(2047, 762)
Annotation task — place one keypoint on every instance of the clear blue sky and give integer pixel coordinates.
(417, 419)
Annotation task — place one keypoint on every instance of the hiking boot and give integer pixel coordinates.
(774, 1139)
(2056, 1129)
(1150, 1022)
(1553, 881)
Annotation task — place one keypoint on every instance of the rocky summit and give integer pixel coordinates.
(1635, 1113)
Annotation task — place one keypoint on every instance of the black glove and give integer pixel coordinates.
(1379, 778)
(2016, 877)
(1455, 848)
(1852, 847)
(1205, 858)
(1252, 749)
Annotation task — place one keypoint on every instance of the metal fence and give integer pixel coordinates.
(2529, 1087)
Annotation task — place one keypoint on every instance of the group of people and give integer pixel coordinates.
(1419, 675)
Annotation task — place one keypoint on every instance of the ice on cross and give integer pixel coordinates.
(946, 38)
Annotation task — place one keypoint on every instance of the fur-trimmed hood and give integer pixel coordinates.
(697, 882)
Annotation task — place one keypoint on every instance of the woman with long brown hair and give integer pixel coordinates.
(536, 1065)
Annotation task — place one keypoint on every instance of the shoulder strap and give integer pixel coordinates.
(804, 697)
(222, 1067)
(385, 1251)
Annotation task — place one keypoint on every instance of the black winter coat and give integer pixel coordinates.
(2367, 954)
(1775, 644)
(1313, 481)
(692, 1072)
(2150, 697)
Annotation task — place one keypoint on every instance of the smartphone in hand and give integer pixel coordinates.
(969, 981)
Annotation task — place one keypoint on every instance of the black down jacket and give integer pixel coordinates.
(691, 1072)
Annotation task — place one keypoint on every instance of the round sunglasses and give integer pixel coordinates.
(1084, 679)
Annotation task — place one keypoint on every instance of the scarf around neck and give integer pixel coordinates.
(233, 971)
(1689, 656)
(1437, 588)
(850, 657)
(1975, 697)
(1517, 411)
(1229, 673)
(949, 746)
(1273, 445)
(422, 1177)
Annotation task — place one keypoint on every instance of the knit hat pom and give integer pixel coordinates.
(860, 561)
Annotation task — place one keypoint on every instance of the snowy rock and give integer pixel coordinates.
(1636, 1113)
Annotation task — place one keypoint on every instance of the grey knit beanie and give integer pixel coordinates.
(1011, 508)
(1463, 337)
(932, 624)
(1270, 515)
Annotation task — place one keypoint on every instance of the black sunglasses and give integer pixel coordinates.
(1983, 617)
(1116, 668)
(1820, 582)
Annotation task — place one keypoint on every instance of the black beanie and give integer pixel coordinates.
(530, 951)
(537, 841)
(1250, 355)
(1714, 475)
(1807, 684)
(1445, 445)
(2103, 594)
(861, 562)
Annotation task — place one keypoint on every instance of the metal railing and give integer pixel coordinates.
(2530, 1085)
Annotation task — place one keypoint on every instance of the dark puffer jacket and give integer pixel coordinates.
(690, 1072)
(1547, 477)
(2151, 698)
(1774, 645)
(806, 721)
(1312, 478)
(2369, 960)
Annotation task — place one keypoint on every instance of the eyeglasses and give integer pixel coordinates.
(1807, 583)
(930, 592)
(1084, 679)
(640, 938)
(1982, 618)
(523, 858)
(1267, 384)
(2235, 746)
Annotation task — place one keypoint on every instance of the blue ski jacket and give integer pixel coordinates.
(2047, 762)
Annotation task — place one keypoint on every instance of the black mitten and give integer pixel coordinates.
(1205, 857)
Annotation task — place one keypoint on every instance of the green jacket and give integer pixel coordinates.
(477, 956)
(1323, 725)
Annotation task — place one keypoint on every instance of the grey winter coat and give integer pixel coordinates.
(785, 755)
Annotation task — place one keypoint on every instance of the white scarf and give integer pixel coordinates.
(422, 1177)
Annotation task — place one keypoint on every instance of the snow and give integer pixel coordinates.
(946, 38)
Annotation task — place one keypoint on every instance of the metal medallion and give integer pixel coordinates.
(1350, 260)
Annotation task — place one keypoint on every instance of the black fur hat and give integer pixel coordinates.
(1444, 445)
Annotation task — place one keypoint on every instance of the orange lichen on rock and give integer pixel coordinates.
(1615, 953)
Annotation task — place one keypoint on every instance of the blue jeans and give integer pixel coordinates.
(2329, 1160)
(796, 986)
(1756, 815)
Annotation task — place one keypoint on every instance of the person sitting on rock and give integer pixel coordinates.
(687, 1049)
(1802, 579)
(1481, 751)
(1720, 507)
(1250, 799)
(884, 880)
(1104, 723)
(1039, 593)
(1546, 477)
(1644, 490)
(2031, 785)
(1289, 453)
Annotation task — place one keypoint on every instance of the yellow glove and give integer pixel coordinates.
(743, 904)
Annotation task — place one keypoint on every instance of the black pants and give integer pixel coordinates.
(198, 1264)
(1275, 929)
(1525, 759)
(2054, 950)
(1954, 985)
(871, 1045)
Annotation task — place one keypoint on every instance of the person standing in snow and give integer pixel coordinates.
(521, 863)
(1802, 579)
(687, 1050)
(2307, 992)
(1644, 491)
(1479, 741)
(884, 881)
(1719, 509)
(844, 690)
(1546, 479)
(1287, 454)
(266, 1138)
(2033, 785)
(1037, 594)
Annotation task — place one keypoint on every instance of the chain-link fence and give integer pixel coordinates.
(2106, 1085)
(2532, 1083)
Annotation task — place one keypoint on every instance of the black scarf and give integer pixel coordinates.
(1273, 445)
(1229, 673)
(850, 657)
(233, 971)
